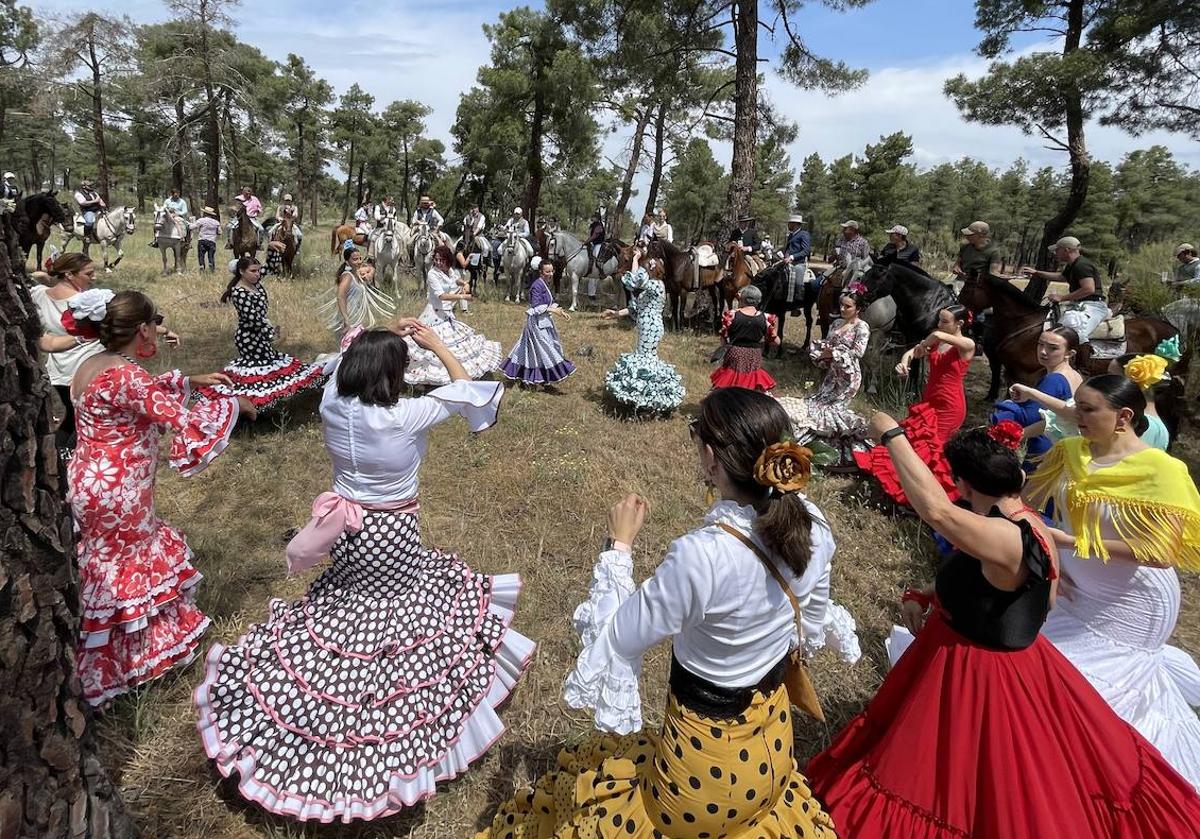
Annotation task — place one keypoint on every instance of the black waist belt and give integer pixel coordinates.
(746, 344)
(712, 700)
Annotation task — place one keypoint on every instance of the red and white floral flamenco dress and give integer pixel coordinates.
(136, 579)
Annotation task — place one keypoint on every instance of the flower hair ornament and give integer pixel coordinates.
(784, 467)
(1146, 371)
(857, 287)
(1007, 433)
(85, 311)
(1169, 349)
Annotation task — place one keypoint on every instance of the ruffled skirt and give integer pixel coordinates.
(537, 358)
(921, 428)
(742, 367)
(698, 777)
(268, 384)
(355, 701)
(646, 383)
(474, 351)
(964, 741)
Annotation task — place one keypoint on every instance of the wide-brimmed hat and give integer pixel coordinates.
(8, 175)
(898, 229)
(1068, 242)
(208, 211)
(795, 218)
(851, 223)
(287, 196)
(1185, 247)
(746, 217)
(976, 227)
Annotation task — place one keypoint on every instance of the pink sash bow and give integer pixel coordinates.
(333, 515)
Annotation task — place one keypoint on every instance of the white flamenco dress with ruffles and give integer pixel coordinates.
(384, 679)
(474, 351)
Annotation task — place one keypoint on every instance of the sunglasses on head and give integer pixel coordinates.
(157, 320)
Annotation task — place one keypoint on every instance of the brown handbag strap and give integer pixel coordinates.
(749, 543)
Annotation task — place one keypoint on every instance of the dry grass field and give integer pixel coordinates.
(529, 495)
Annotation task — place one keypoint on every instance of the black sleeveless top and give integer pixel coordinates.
(748, 331)
(1006, 620)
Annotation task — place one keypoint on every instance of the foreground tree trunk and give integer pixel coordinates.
(103, 174)
(745, 109)
(533, 162)
(51, 781)
(660, 142)
(617, 222)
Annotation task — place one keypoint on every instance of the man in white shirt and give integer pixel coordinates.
(517, 222)
(362, 218)
(427, 214)
(474, 222)
(90, 203)
(287, 209)
(385, 208)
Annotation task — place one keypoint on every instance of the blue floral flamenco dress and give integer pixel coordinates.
(640, 381)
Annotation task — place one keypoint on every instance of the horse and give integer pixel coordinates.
(682, 275)
(42, 212)
(479, 254)
(170, 232)
(284, 233)
(737, 275)
(344, 233)
(775, 283)
(423, 242)
(515, 254)
(842, 276)
(245, 234)
(385, 249)
(110, 228)
(577, 262)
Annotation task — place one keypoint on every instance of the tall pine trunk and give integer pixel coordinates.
(54, 784)
(212, 122)
(103, 175)
(349, 180)
(745, 109)
(660, 142)
(407, 174)
(617, 222)
(533, 162)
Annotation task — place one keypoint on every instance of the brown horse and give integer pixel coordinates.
(737, 275)
(283, 232)
(682, 276)
(342, 234)
(245, 234)
(1016, 323)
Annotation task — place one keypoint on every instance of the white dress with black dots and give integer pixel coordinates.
(356, 700)
(261, 373)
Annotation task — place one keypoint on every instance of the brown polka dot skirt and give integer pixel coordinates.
(699, 778)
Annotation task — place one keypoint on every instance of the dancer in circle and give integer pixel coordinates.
(136, 579)
(722, 763)
(1130, 515)
(261, 373)
(383, 680)
(935, 419)
(354, 302)
(475, 352)
(537, 357)
(983, 729)
(827, 412)
(640, 380)
(746, 332)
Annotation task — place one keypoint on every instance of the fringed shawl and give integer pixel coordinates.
(1149, 497)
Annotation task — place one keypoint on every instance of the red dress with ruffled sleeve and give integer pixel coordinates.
(135, 572)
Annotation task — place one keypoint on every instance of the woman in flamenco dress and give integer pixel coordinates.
(984, 729)
(354, 301)
(722, 763)
(537, 357)
(640, 381)
(136, 579)
(942, 409)
(475, 352)
(355, 701)
(1130, 516)
(261, 373)
(746, 332)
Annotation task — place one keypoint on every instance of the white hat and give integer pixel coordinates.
(795, 218)
(1068, 242)
(850, 223)
(518, 212)
(208, 211)
(287, 196)
(8, 175)
(1184, 248)
(899, 230)
(976, 227)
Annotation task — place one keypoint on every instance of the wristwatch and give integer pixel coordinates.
(611, 544)
(891, 434)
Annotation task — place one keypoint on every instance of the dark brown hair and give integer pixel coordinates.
(986, 464)
(128, 311)
(68, 263)
(1121, 392)
(739, 424)
(1067, 334)
(243, 263)
(372, 368)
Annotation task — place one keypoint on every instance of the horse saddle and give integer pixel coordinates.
(706, 255)
(1110, 329)
(754, 264)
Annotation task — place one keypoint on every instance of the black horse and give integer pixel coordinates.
(40, 212)
(774, 283)
(918, 298)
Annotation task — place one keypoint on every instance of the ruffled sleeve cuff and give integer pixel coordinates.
(204, 436)
(476, 402)
(176, 384)
(838, 631)
(603, 680)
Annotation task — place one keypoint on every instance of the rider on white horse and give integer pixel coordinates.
(90, 203)
(426, 213)
(517, 222)
(287, 209)
(474, 223)
(176, 208)
(384, 209)
(595, 240)
(253, 209)
(1083, 307)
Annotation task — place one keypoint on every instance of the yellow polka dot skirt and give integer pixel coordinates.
(699, 778)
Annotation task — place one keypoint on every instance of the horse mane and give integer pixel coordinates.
(1003, 286)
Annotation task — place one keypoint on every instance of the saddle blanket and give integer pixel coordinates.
(1107, 349)
(1111, 329)
(706, 255)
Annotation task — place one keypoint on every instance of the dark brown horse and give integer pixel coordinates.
(283, 232)
(35, 216)
(245, 234)
(682, 276)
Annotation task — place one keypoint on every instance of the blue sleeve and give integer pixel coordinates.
(1056, 385)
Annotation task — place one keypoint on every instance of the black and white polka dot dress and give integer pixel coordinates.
(261, 373)
(354, 701)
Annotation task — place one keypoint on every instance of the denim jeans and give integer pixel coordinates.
(205, 247)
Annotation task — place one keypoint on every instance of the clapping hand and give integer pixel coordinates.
(626, 518)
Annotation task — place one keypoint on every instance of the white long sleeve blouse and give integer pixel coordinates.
(729, 620)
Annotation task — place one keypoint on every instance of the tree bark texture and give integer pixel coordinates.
(745, 109)
(51, 781)
(103, 175)
(660, 142)
(212, 121)
(533, 163)
(617, 222)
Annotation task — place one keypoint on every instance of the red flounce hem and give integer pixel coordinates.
(966, 741)
(758, 379)
(921, 429)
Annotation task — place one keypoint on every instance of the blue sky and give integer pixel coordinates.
(430, 50)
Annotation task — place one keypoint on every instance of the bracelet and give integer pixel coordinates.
(611, 544)
(891, 434)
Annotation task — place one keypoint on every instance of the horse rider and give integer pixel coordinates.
(978, 258)
(474, 223)
(1187, 272)
(428, 214)
(899, 249)
(287, 209)
(253, 208)
(362, 219)
(853, 245)
(384, 209)
(1082, 307)
(9, 191)
(90, 203)
(177, 210)
(518, 223)
(595, 241)
(646, 230)
(661, 228)
(747, 236)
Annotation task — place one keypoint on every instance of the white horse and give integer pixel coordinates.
(577, 263)
(110, 228)
(385, 248)
(423, 242)
(515, 254)
(170, 234)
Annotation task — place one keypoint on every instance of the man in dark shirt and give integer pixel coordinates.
(1082, 307)
(978, 258)
(595, 240)
(898, 248)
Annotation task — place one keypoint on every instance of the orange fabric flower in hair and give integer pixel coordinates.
(785, 467)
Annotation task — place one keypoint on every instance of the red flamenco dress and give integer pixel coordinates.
(745, 337)
(136, 580)
(984, 730)
(929, 424)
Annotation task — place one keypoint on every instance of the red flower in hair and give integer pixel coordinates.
(82, 328)
(1007, 433)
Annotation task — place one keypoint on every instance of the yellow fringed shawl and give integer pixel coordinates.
(1149, 497)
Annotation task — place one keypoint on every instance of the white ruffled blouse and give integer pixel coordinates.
(730, 621)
